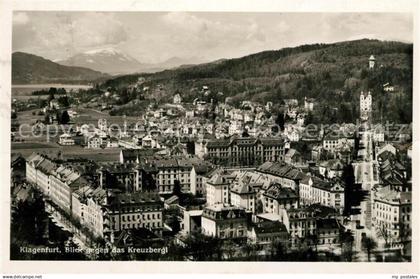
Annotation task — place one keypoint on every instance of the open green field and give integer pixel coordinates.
(73, 151)
(91, 116)
(24, 92)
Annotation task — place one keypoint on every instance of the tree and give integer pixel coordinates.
(177, 188)
(369, 244)
(47, 119)
(200, 247)
(279, 250)
(229, 247)
(280, 120)
(65, 117)
(63, 101)
(346, 240)
(383, 232)
(51, 93)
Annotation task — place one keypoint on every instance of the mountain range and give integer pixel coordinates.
(31, 69)
(115, 62)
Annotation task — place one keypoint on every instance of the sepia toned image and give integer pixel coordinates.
(211, 136)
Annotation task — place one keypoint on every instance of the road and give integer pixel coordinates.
(364, 174)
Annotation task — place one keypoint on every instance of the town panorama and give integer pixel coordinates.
(296, 154)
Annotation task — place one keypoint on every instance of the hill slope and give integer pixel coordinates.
(31, 69)
(331, 73)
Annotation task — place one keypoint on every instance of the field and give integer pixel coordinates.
(91, 116)
(24, 92)
(55, 150)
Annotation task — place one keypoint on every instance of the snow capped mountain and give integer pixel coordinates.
(106, 60)
(112, 61)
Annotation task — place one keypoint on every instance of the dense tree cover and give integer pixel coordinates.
(52, 90)
(333, 74)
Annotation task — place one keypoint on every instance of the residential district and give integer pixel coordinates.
(186, 186)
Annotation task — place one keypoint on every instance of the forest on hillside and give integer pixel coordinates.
(333, 74)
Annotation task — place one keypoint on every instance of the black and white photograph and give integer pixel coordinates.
(211, 136)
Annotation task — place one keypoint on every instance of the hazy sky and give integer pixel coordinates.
(153, 37)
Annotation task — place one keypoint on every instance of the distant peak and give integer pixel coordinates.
(107, 50)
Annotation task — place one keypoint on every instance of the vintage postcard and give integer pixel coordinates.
(140, 136)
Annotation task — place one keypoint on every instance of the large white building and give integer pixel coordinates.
(224, 221)
(89, 208)
(315, 190)
(244, 196)
(217, 188)
(171, 170)
(391, 215)
(276, 198)
(136, 210)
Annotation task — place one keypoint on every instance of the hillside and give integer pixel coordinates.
(31, 69)
(331, 73)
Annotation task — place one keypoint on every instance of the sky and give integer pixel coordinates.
(153, 37)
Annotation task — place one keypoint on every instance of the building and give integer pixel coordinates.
(65, 139)
(149, 142)
(102, 125)
(125, 177)
(217, 187)
(309, 104)
(333, 142)
(136, 210)
(314, 190)
(243, 195)
(391, 215)
(331, 169)
(372, 62)
(300, 223)
(378, 133)
(281, 173)
(63, 182)
(94, 142)
(276, 198)
(38, 171)
(135, 155)
(247, 151)
(57, 182)
(293, 157)
(224, 221)
(267, 233)
(202, 169)
(89, 208)
(387, 87)
(177, 99)
(171, 170)
(328, 233)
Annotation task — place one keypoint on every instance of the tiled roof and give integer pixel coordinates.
(281, 170)
(276, 191)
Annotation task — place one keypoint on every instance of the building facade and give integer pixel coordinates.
(245, 151)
